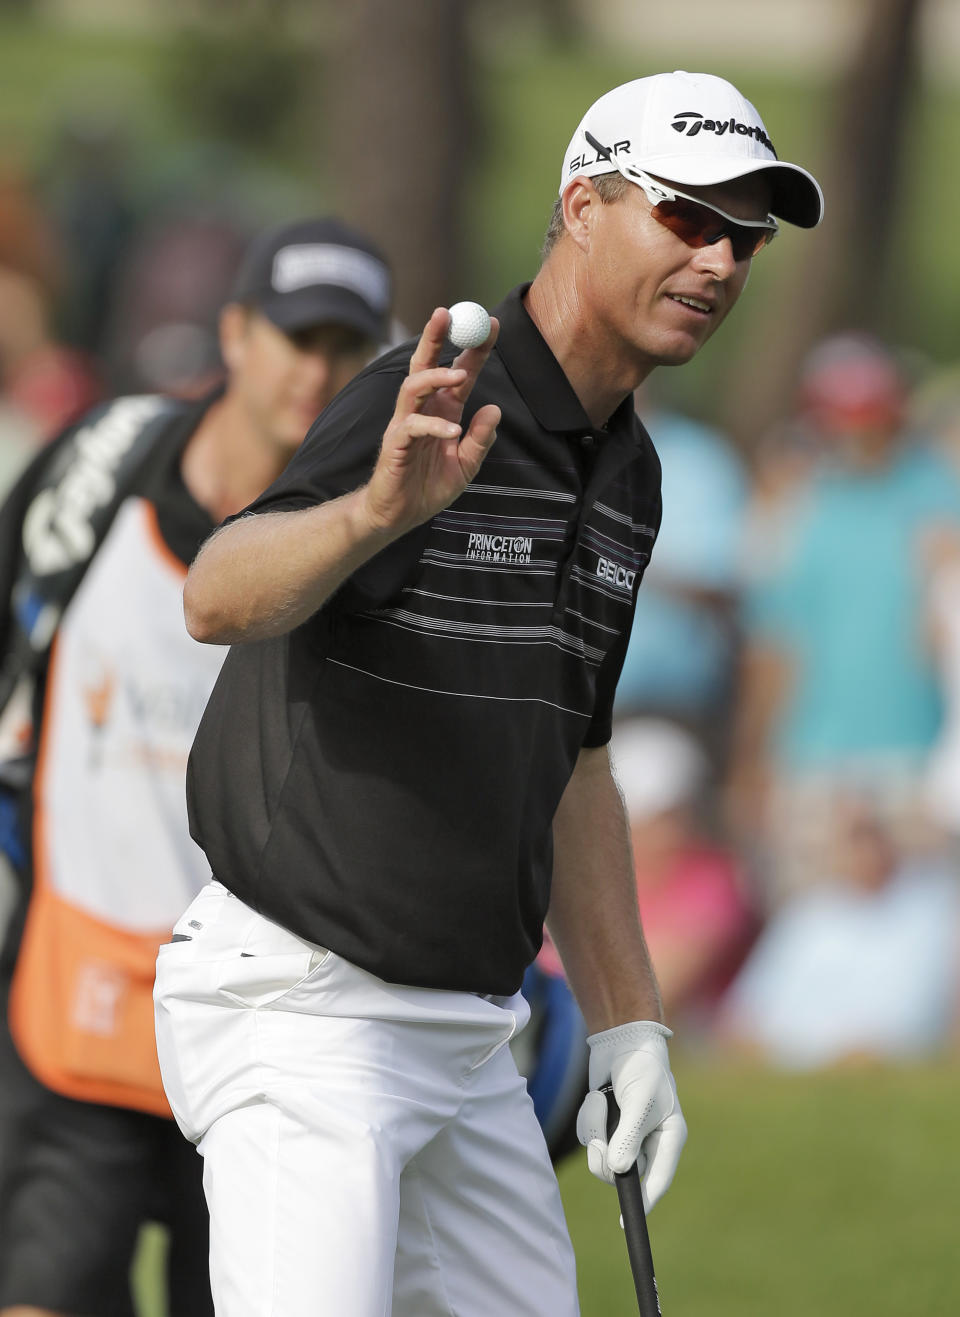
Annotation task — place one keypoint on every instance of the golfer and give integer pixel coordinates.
(403, 768)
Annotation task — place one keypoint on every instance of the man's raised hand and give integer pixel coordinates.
(426, 461)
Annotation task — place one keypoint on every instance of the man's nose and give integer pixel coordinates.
(716, 257)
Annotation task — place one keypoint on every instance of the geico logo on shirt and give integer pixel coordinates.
(619, 576)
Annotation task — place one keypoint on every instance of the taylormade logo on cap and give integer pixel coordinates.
(690, 123)
(304, 264)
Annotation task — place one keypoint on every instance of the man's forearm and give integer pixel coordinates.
(263, 575)
(593, 917)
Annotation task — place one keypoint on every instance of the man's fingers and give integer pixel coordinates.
(592, 1133)
(425, 378)
(473, 360)
(635, 1125)
(428, 349)
(421, 426)
(597, 1161)
(592, 1118)
(646, 1097)
(418, 388)
(663, 1150)
(478, 440)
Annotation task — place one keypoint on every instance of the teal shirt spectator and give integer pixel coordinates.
(846, 603)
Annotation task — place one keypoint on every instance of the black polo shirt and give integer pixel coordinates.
(383, 779)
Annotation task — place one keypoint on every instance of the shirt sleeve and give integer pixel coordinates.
(601, 725)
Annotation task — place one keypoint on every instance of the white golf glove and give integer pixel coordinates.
(651, 1131)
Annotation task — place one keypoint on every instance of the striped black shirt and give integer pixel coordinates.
(383, 779)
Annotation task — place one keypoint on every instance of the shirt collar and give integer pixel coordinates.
(539, 377)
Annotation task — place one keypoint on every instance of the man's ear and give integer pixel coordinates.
(580, 201)
(233, 325)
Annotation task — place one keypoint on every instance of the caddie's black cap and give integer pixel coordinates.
(316, 272)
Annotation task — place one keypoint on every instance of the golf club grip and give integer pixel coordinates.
(634, 1225)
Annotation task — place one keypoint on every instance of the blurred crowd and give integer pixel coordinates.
(788, 734)
(788, 743)
(788, 723)
(103, 292)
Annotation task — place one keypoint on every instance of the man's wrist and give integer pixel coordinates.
(602, 1015)
(368, 531)
(634, 1031)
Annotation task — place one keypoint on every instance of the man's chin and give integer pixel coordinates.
(679, 356)
(678, 349)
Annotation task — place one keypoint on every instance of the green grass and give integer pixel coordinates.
(832, 1194)
(829, 1194)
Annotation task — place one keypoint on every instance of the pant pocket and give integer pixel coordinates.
(259, 981)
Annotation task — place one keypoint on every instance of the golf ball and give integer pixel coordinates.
(469, 325)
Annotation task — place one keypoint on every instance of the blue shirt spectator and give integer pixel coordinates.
(841, 972)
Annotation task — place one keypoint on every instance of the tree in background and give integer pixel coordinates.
(237, 70)
(377, 92)
(842, 280)
(401, 136)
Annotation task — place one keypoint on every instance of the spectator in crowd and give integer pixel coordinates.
(864, 965)
(697, 912)
(941, 778)
(681, 659)
(41, 379)
(95, 540)
(837, 676)
(48, 383)
(938, 407)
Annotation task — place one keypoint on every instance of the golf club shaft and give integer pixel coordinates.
(634, 1225)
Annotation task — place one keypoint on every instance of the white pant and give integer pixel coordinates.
(369, 1149)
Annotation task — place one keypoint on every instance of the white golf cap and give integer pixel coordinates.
(690, 128)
